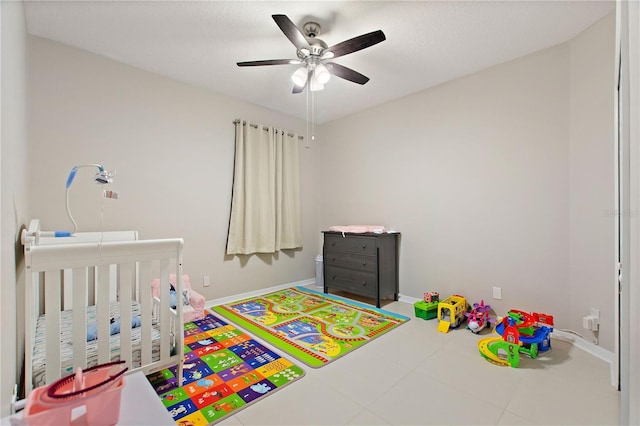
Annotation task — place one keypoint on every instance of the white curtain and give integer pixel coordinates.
(265, 206)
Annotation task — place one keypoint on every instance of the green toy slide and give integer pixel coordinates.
(490, 346)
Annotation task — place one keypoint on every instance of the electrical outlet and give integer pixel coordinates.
(592, 321)
(497, 293)
(205, 281)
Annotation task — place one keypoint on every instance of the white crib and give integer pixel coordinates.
(95, 278)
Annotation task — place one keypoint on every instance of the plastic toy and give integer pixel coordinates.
(428, 307)
(432, 296)
(479, 318)
(451, 312)
(489, 348)
(426, 310)
(532, 330)
(530, 333)
(97, 388)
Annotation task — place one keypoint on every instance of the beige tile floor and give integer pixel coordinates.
(415, 375)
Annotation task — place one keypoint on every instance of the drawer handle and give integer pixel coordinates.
(364, 263)
(364, 247)
(333, 277)
(364, 283)
(333, 243)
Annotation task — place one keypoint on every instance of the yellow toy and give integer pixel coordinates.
(451, 312)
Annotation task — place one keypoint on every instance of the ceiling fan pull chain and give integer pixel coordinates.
(306, 145)
(313, 116)
(307, 105)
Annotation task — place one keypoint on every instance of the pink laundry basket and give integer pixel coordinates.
(98, 389)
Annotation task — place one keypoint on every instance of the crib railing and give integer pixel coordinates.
(34, 236)
(130, 266)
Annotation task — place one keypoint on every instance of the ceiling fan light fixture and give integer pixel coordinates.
(299, 77)
(321, 73)
(314, 84)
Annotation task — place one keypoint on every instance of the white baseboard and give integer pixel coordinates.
(240, 296)
(407, 299)
(590, 348)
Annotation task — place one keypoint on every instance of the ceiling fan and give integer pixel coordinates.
(314, 55)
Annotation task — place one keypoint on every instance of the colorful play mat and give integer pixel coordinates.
(314, 327)
(225, 370)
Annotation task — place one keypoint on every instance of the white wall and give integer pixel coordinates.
(173, 147)
(592, 178)
(478, 175)
(474, 173)
(13, 186)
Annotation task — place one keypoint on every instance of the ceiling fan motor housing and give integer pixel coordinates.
(311, 29)
(315, 49)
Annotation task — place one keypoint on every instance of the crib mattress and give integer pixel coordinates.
(66, 343)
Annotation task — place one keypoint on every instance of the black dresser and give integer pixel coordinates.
(362, 264)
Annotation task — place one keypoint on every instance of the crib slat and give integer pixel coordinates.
(178, 325)
(164, 310)
(80, 291)
(52, 311)
(30, 319)
(126, 280)
(29, 322)
(102, 313)
(144, 272)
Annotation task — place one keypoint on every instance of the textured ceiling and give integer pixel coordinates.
(199, 42)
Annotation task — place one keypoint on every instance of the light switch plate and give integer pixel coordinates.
(497, 293)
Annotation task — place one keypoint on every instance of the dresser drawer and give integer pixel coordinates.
(361, 245)
(352, 261)
(363, 283)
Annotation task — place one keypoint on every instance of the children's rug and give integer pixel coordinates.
(314, 327)
(224, 371)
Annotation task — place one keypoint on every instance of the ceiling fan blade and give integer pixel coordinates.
(265, 62)
(346, 73)
(290, 30)
(357, 43)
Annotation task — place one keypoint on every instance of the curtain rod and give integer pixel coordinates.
(255, 126)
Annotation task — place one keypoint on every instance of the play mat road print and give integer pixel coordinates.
(225, 370)
(314, 327)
